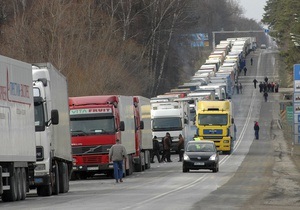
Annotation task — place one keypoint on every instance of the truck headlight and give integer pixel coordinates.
(40, 167)
(226, 141)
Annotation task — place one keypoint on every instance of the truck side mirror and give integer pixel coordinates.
(122, 126)
(232, 121)
(142, 125)
(186, 121)
(54, 117)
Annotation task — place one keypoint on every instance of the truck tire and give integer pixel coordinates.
(23, 183)
(12, 194)
(63, 178)
(56, 180)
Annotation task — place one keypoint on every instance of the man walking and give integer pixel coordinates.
(254, 82)
(256, 130)
(245, 71)
(266, 96)
(156, 149)
(167, 143)
(117, 154)
(180, 147)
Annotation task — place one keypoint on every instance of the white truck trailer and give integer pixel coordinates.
(53, 140)
(17, 150)
(146, 144)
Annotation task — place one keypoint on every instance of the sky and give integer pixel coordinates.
(253, 8)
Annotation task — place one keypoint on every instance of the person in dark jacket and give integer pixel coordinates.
(254, 82)
(266, 96)
(180, 147)
(156, 150)
(256, 130)
(167, 143)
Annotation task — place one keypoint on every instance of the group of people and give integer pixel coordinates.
(166, 148)
(266, 87)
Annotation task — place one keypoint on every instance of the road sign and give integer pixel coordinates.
(290, 114)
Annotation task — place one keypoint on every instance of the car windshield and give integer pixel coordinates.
(200, 148)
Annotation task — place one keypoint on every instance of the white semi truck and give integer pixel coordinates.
(17, 150)
(172, 117)
(53, 140)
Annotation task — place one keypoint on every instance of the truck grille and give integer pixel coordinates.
(95, 149)
(92, 159)
(212, 138)
(212, 131)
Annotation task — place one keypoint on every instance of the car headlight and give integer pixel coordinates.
(185, 157)
(213, 157)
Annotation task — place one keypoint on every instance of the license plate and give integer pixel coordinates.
(199, 164)
(38, 180)
(92, 168)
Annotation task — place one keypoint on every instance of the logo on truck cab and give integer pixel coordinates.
(90, 111)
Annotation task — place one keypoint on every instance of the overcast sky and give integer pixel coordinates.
(253, 8)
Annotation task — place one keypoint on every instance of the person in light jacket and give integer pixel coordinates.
(117, 154)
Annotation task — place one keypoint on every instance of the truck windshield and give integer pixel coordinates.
(92, 126)
(212, 119)
(166, 124)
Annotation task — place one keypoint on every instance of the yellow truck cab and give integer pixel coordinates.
(215, 122)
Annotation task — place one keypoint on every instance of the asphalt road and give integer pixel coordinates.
(247, 179)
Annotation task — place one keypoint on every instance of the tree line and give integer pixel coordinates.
(283, 17)
(130, 47)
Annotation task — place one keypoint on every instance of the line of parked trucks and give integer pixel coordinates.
(201, 108)
(48, 138)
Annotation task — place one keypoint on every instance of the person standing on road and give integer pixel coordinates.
(156, 150)
(180, 147)
(117, 154)
(256, 130)
(241, 88)
(167, 143)
(266, 96)
(254, 83)
(245, 71)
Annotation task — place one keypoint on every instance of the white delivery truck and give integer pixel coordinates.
(170, 116)
(53, 140)
(17, 150)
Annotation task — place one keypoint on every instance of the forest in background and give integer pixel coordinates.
(283, 17)
(126, 47)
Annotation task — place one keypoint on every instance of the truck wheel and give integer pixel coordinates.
(63, 178)
(56, 179)
(12, 194)
(23, 184)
